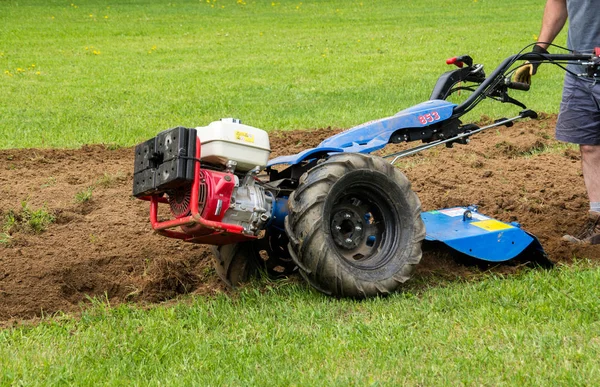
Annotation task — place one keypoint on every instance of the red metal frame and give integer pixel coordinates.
(222, 233)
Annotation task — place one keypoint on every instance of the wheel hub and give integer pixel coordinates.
(347, 228)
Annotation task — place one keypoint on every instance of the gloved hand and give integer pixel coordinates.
(523, 74)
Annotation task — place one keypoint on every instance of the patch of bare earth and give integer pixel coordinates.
(105, 247)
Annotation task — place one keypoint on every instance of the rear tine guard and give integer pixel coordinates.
(478, 236)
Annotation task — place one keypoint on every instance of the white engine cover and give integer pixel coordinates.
(228, 139)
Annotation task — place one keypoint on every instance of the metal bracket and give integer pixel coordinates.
(412, 151)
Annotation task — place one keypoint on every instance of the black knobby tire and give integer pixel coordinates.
(237, 263)
(355, 226)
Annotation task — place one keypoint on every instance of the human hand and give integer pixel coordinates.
(524, 73)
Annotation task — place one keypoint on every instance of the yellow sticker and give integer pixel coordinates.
(244, 136)
(491, 225)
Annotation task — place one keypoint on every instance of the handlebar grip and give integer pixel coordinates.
(518, 86)
(454, 61)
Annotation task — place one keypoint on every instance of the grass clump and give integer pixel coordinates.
(84, 196)
(5, 238)
(109, 180)
(25, 219)
(51, 181)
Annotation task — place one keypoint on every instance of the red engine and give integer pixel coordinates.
(208, 206)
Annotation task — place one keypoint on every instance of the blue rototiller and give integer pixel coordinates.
(346, 219)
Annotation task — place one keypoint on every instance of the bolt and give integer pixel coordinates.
(338, 228)
(358, 228)
(227, 178)
(347, 215)
(348, 240)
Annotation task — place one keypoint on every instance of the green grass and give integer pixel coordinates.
(538, 328)
(97, 72)
(109, 180)
(26, 219)
(84, 195)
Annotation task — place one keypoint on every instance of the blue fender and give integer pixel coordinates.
(375, 135)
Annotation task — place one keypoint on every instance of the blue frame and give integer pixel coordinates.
(374, 135)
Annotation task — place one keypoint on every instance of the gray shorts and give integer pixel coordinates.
(579, 116)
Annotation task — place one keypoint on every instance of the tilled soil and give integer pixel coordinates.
(104, 246)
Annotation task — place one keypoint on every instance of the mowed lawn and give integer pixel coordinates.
(117, 73)
(73, 73)
(539, 328)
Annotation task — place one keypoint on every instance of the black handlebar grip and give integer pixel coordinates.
(518, 86)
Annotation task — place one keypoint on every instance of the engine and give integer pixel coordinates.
(208, 178)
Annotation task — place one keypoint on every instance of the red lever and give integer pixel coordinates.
(454, 61)
(597, 51)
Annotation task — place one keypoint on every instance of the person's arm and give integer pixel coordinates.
(555, 17)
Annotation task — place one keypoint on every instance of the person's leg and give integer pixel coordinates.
(579, 123)
(590, 163)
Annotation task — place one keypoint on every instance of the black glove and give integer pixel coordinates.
(524, 73)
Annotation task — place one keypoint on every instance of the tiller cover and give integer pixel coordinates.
(469, 232)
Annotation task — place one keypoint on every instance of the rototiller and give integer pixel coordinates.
(346, 219)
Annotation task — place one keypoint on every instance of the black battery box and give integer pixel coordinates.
(164, 162)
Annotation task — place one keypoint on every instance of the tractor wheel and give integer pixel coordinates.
(237, 263)
(355, 226)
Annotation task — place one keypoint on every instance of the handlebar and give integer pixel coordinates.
(517, 85)
(498, 74)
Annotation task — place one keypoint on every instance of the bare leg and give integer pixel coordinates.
(590, 162)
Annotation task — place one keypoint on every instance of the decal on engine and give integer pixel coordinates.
(244, 136)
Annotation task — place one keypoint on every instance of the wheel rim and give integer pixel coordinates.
(364, 226)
